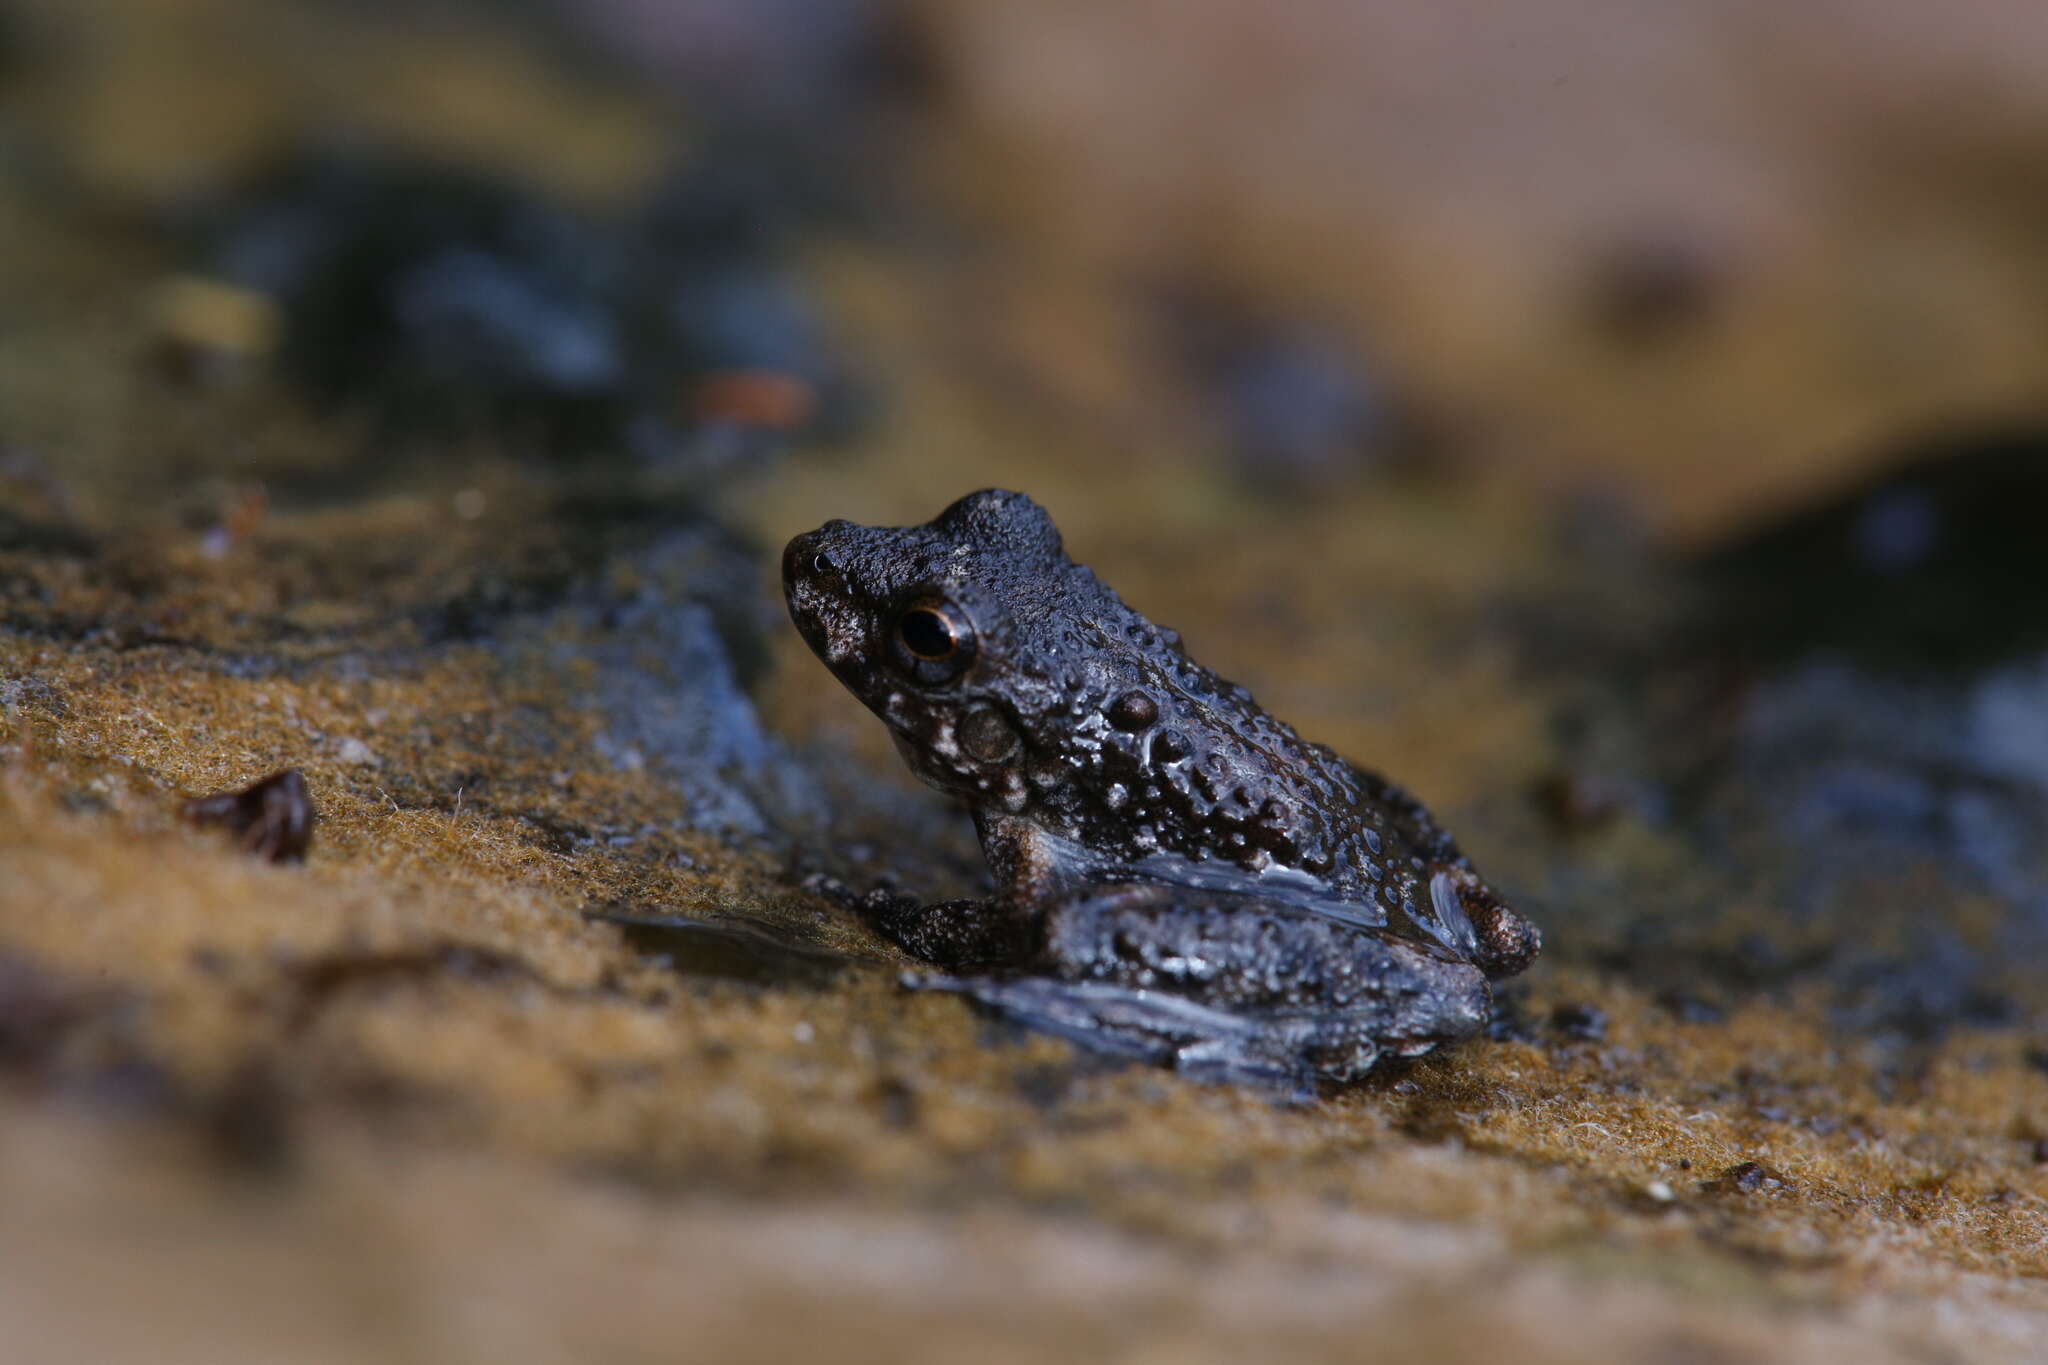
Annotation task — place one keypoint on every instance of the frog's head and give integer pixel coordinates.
(973, 637)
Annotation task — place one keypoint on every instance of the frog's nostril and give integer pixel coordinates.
(802, 558)
(809, 555)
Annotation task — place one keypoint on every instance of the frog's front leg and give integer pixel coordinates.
(1003, 931)
(1231, 986)
(952, 934)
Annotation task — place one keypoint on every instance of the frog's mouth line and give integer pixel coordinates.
(826, 620)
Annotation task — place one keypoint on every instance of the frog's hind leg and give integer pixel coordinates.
(1198, 1040)
(1230, 986)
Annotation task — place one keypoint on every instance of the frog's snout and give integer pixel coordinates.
(806, 556)
(812, 566)
(815, 588)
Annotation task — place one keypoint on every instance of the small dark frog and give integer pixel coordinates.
(1179, 876)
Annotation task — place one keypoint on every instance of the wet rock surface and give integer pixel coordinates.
(565, 1012)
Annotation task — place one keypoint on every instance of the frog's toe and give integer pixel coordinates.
(1505, 942)
(1348, 1056)
(1200, 1041)
(1223, 1061)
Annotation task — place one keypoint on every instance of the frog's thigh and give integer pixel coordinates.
(1219, 984)
(1338, 993)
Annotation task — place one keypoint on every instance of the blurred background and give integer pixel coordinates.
(1700, 258)
(1626, 424)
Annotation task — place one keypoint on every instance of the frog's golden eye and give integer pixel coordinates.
(935, 641)
(928, 634)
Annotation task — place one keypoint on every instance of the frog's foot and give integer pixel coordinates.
(1279, 1052)
(1504, 943)
(955, 934)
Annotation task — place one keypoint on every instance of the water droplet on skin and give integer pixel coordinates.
(1133, 711)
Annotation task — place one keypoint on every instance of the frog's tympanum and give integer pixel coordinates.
(1178, 875)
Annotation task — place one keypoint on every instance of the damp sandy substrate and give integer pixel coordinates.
(406, 1101)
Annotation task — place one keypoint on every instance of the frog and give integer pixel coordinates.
(1177, 875)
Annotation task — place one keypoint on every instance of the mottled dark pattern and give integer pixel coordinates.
(1095, 753)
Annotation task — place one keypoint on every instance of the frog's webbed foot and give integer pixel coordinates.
(1201, 1042)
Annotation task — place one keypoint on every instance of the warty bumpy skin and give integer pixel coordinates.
(1179, 874)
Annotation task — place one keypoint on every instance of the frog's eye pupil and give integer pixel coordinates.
(933, 642)
(927, 634)
(823, 565)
